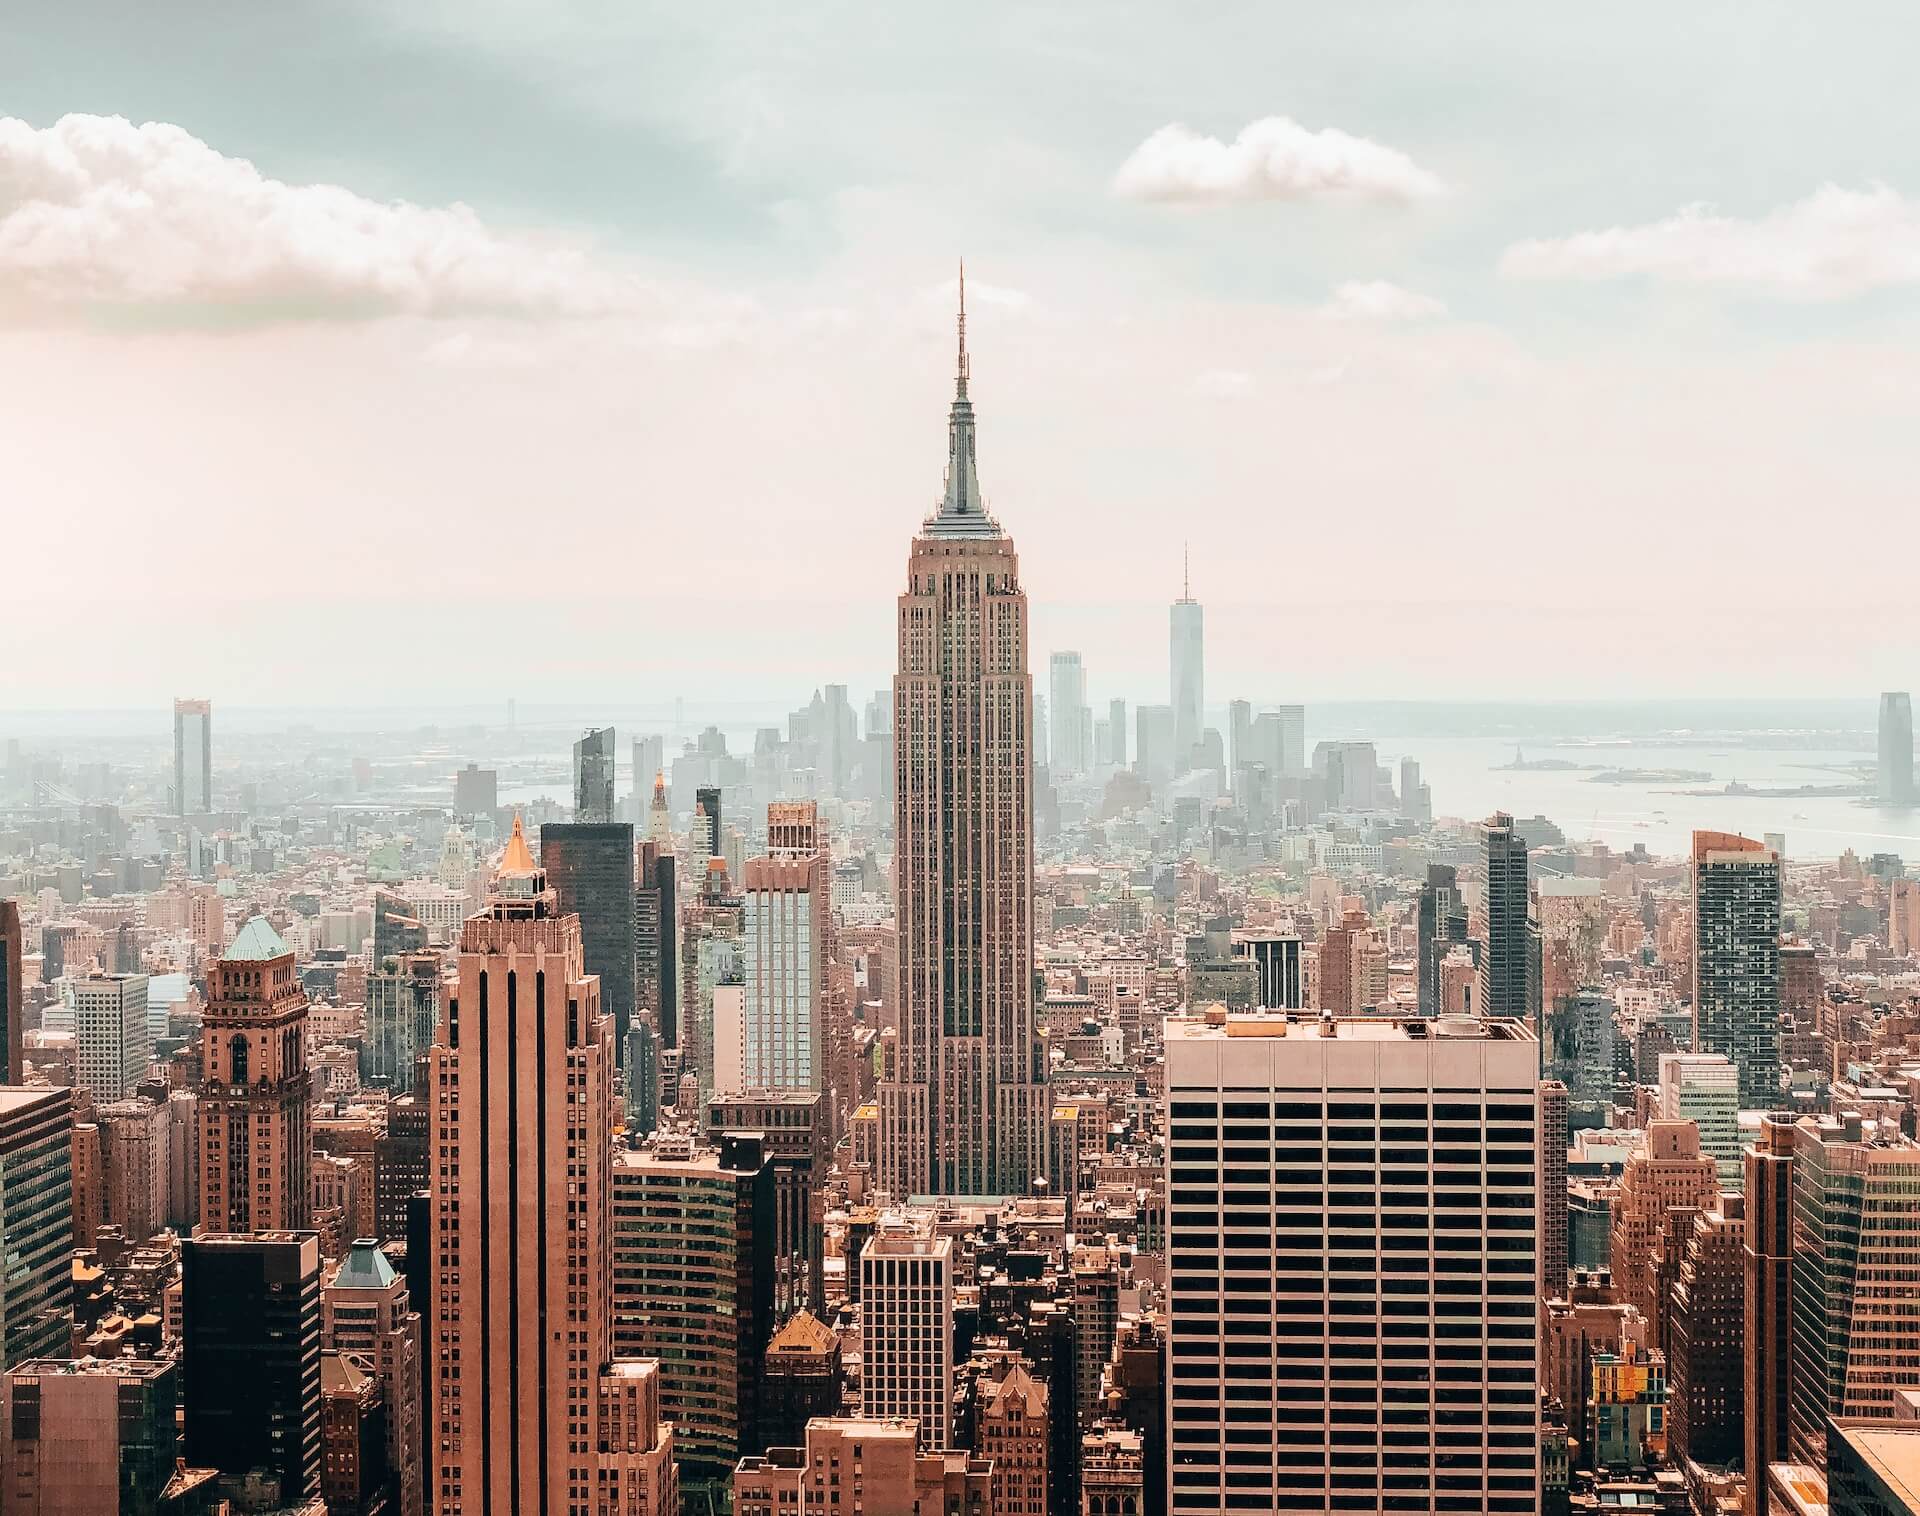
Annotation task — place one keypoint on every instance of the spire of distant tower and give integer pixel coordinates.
(962, 512)
(1186, 572)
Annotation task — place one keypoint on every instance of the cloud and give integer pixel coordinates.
(1835, 243)
(1377, 300)
(1223, 383)
(1272, 159)
(98, 215)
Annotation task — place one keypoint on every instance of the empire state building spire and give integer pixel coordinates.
(962, 512)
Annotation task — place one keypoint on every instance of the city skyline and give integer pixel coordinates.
(1174, 328)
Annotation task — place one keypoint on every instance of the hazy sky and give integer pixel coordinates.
(603, 351)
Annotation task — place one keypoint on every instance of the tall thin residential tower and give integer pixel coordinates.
(1736, 960)
(192, 757)
(965, 1113)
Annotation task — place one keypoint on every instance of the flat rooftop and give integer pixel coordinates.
(1892, 1452)
(1349, 1028)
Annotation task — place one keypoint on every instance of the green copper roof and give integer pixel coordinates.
(256, 943)
(365, 1267)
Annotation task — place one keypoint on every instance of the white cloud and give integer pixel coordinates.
(1272, 159)
(97, 214)
(1377, 300)
(1834, 243)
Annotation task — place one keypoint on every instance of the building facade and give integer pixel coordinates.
(965, 1111)
(1736, 960)
(36, 1223)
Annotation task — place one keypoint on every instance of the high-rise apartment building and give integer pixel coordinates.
(1186, 670)
(1894, 773)
(256, 1143)
(1705, 1401)
(12, 994)
(590, 867)
(112, 1046)
(1704, 1088)
(1352, 1265)
(192, 757)
(1067, 714)
(89, 1437)
(36, 1223)
(520, 1332)
(1279, 967)
(797, 1140)
(593, 768)
(135, 1165)
(906, 1328)
(1503, 966)
(965, 1112)
(1736, 960)
(693, 1287)
(1666, 1169)
(784, 1040)
(1553, 1227)
(250, 1358)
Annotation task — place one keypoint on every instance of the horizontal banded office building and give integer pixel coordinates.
(1352, 1232)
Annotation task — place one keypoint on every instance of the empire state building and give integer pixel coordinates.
(965, 1111)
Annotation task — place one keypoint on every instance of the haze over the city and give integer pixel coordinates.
(1470, 352)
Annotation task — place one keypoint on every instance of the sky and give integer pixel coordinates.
(398, 351)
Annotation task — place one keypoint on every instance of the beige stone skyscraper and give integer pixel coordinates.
(965, 1113)
(527, 1401)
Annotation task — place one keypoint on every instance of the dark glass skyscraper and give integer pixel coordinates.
(1503, 970)
(250, 1328)
(656, 940)
(12, 1058)
(590, 867)
(36, 1223)
(593, 776)
(1442, 923)
(1736, 960)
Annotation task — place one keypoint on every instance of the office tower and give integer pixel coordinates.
(1704, 1088)
(111, 1045)
(1503, 967)
(1553, 1225)
(89, 1437)
(1855, 1275)
(256, 1145)
(906, 1332)
(192, 757)
(250, 1357)
(1365, 1194)
(1349, 775)
(1441, 922)
(135, 1165)
(403, 998)
(1706, 1398)
(590, 868)
(1154, 757)
(1239, 738)
(785, 968)
(656, 937)
(400, 1163)
(522, 1101)
(476, 791)
(1895, 770)
(797, 1143)
(397, 927)
(693, 1287)
(365, 1310)
(965, 1113)
(1280, 741)
(642, 1064)
(36, 1223)
(1098, 1276)
(837, 738)
(713, 957)
(1186, 664)
(649, 759)
(706, 837)
(1736, 960)
(1279, 969)
(1412, 791)
(1066, 705)
(1768, 1322)
(1117, 721)
(13, 1066)
(593, 765)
